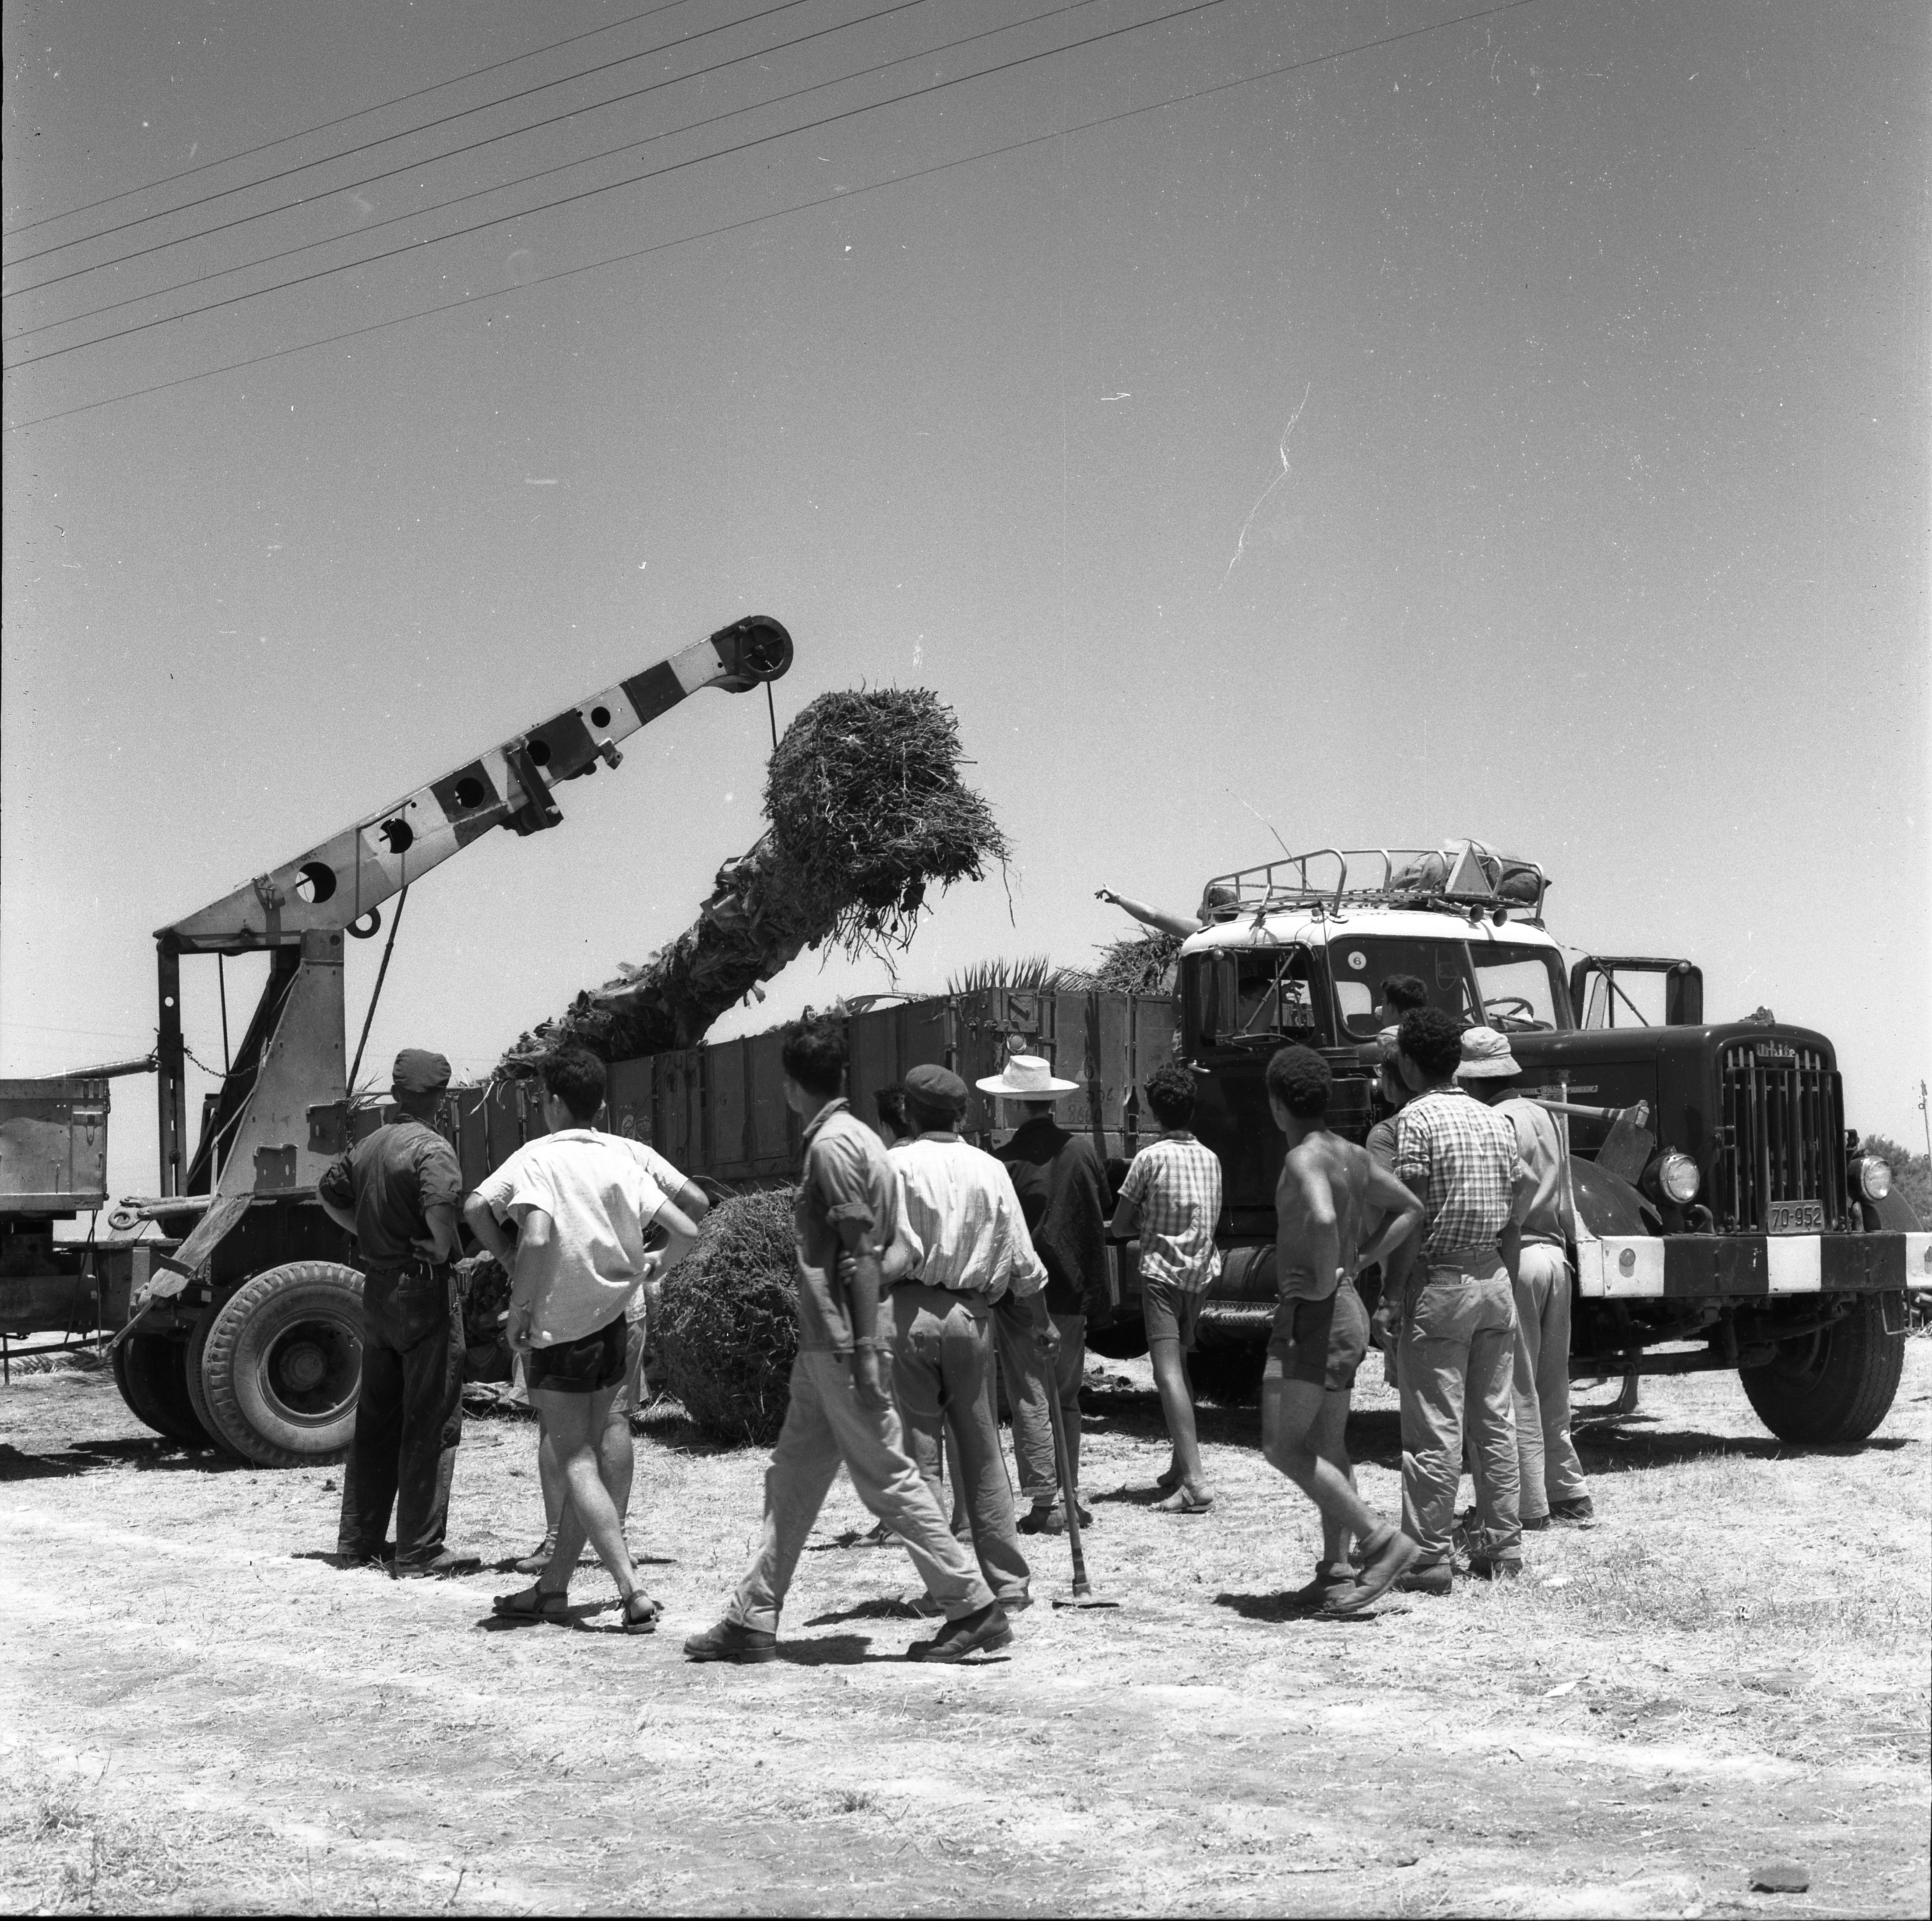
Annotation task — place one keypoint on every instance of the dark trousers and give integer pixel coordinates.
(409, 1416)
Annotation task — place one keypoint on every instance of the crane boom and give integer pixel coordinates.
(335, 885)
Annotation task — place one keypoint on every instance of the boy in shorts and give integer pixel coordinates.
(583, 1202)
(1328, 1186)
(1171, 1199)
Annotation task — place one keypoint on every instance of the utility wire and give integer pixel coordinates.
(544, 173)
(387, 139)
(777, 213)
(615, 186)
(321, 127)
(502, 186)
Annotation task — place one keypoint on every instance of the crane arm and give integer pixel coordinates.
(336, 884)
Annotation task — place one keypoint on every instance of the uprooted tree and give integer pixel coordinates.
(867, 817)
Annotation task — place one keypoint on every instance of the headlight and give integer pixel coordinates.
(1677, 1177)
(1871, 1179)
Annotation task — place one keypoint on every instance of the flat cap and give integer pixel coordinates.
(934, 1087)
(419, 1071)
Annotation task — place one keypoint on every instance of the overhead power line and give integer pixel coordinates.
(436, 207)
(616, 186)
(323, 126)
(544, 173)
(387, 140)
(776, 213)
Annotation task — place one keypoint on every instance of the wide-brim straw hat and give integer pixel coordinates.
(1026, 1077)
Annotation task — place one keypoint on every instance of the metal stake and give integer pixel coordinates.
(1083, 1594)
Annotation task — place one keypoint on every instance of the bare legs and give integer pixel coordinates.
(1302, 1429)
(1177, 1409)
(617, 1458)
(595, 1462)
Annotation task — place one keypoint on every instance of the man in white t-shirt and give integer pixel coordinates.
(583, 1203)
(616, 1448)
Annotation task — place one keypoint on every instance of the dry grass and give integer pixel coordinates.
(1732, 1664)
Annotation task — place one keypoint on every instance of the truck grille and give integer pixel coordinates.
(1783, 1132)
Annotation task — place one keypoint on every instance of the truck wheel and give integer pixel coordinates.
(151, 1373)
(1833, 1387)
(281, 1363)
(197, 1384)
(1123, 1340)
(1228, 1373)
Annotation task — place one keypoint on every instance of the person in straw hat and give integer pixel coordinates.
(1063, 1193)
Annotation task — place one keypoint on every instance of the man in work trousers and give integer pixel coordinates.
(397, 1192)
(846, 1214)
(1458, 1344)
(1063, 1193)
(974, 1257)
(1328, 1188)
(1553, 1487)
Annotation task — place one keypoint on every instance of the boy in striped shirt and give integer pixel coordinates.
(1171, 1200)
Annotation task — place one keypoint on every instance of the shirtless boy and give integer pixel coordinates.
(1328, 1186)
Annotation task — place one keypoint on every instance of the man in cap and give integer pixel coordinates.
(975, 1259)
(397, 1192)
(1063, 1194)
(846, 1218)
(1551, 1476)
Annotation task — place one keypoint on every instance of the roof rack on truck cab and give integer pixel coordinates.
(1456, 877)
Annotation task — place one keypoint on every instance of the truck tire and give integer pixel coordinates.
(1228, 1372)
(197, 1384)
(151, 1373)
(281, 1363)
(1833, 1387)
(1122, 1339)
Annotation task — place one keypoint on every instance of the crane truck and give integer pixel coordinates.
(234, 1307)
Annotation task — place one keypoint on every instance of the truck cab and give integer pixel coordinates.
(1726, 1217)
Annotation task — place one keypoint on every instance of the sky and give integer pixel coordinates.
(1514, 426)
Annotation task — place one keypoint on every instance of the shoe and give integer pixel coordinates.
(984, 1632)
(1579, 1513)
(1334, 1574)
(1534, 1523)
(1481, 1567)
(727, 1641)
(1047, 1519)
(1384, 1564)
(1183, 1501)
(1437, 1579)
(538, 1559)
(439, 1567)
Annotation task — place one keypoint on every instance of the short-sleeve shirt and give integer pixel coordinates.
(847, 1177)
(1466, 1156)
(389, 1182)
(1541, 1147)
(599, 1191)
(1176, 1185)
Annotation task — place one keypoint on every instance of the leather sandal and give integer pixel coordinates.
(635, 1622)
(534, 1603)
(1182, 1501)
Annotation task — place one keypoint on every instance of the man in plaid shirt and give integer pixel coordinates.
(1171, 1199)
(1458, 1339)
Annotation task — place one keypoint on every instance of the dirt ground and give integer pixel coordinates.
(201, 1713)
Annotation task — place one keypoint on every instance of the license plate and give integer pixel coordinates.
(1796, 1217)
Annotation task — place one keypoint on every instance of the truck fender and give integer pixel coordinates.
(1607, 1204)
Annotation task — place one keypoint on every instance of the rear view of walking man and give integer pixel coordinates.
(846, 1216)
(1328, 1186)
(397, 1192)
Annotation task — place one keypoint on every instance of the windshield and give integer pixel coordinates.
(1254, 994)
(1361, 966)
(1522, 988)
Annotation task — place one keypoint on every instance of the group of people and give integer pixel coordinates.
(929, 1268)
